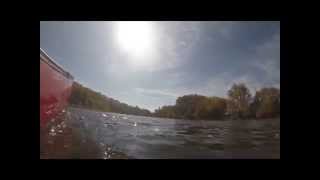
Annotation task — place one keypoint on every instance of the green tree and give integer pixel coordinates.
(86, 98)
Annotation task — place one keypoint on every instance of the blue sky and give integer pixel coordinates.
(179, 58)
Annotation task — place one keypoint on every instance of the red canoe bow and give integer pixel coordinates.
(55, 88)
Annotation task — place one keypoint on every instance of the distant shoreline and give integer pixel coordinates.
(124, 114)
(240, 104)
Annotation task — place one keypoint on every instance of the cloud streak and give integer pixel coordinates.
(156, 92)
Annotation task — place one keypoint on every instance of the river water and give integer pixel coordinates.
(82, 134)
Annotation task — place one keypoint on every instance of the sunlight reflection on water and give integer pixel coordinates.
(90, 136)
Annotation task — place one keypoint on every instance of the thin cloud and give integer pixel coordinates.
(155, 92)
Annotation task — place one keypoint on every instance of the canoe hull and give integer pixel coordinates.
(55, 88)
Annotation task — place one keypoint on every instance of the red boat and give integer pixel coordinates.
(55, 88)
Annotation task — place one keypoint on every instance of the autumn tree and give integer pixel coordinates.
(239, 97)
(166, 112)
(266, 103)
(217, 107)
(194, 107)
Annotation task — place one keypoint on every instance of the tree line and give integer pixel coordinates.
(239, 104)
(86, 98)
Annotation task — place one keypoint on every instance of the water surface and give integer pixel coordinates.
(79, 133)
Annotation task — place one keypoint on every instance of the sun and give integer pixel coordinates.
(136, 38)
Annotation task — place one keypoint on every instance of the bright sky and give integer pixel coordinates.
(150, 64)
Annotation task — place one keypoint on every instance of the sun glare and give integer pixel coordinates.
(136, 38)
